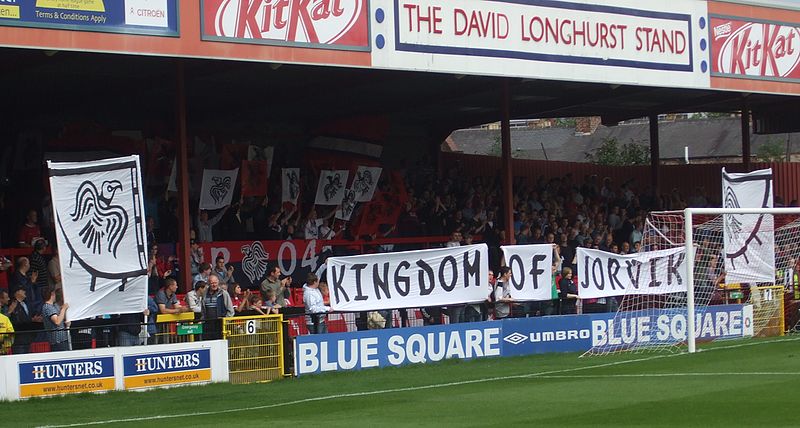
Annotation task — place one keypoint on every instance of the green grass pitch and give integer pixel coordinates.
(733, 383)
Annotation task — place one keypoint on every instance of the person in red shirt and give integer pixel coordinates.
(29, 231)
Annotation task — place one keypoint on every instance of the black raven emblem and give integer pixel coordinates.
(105, 223)
(363, 182)
(254, 262)
(220, 188)
(332, 187)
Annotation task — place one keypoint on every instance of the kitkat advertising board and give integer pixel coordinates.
(751, 49)
(327, 24)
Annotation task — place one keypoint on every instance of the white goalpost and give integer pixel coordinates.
(735, 259)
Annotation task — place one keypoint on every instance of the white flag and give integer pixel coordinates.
(217, 190)
(365, 182)
(290, 185)
(330, 190)
(749, 238)
(99, 212)
(348, 205)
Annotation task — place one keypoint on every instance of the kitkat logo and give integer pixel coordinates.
(758, 49)
(326, 22)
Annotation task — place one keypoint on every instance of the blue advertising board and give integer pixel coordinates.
(166, 368)
(54, 377)
(146, 17)
(512, 337)
(395, 347)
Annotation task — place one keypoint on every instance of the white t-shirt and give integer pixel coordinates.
(311, 228)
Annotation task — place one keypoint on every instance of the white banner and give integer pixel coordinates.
(99, 212)
(603, 274)
(217, 190)
(345, 211)
(409, 279)
(749, 238)
(365, 182)
(531, 271)
(330, 190)
(290, 185)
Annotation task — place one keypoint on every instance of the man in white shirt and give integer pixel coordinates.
(315, 306)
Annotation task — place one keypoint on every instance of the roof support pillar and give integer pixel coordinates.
(746, 137)
(184, 220)
(508, 173)
(655, 155)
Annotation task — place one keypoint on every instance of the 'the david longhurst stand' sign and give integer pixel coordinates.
(605, 274)
(409, 279)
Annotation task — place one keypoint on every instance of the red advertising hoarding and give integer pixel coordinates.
(329, 24)
(753, 49)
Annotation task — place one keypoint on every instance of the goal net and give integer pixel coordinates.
(731, 294)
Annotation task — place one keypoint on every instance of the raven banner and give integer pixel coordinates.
(99, 213)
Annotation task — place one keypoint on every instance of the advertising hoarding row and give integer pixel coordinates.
(513, 337)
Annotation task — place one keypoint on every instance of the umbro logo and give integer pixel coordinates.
(515, 338)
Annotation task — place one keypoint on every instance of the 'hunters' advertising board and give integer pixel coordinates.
(619, 41)
(166, 368)
(750, 49)
(150, 17)
(330, 24)
(71, 376)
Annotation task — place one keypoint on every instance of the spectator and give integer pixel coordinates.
(238, 298)
(225, 273)
(20, 279)
(455, 239)
(54, 317)
(271, 302)
(216, 305)
(30, 232)
(205, 225)
(196, 255)
(568, 292)
(21, 317)
(54, 270)
(194, 298)
(502, 294)
(312, 224)
(204, 272)
(316, 311)
(129, 331)
(167, 300)
(279, 286)
(39, 265)
(6, 334)
(152, 309)
(474, 312)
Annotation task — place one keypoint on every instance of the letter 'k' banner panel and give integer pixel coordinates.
(409, 279)
(604, 274)
(99, 216)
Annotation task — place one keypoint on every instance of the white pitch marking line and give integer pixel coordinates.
(406, 389)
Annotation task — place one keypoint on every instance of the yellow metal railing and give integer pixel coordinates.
(169, 327)
(768, 310)
(255, 348)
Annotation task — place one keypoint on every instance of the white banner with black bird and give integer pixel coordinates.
(217, 190)
(749, 238)
(99, 213)
(365, 182)
(290, 185)
(330, 189)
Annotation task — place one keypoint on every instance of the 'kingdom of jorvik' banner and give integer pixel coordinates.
(531, 271)
(604, 274)
(749, 238)
(99, 213)
(217, 189)
(442, 276)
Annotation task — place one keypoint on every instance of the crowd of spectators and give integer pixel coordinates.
(563, 211)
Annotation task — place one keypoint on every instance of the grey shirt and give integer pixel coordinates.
(55, 333)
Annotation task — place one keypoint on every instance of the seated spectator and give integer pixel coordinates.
(204, 272)
(167, 300)
(194, 298)
(238, 298)
(271, 303)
